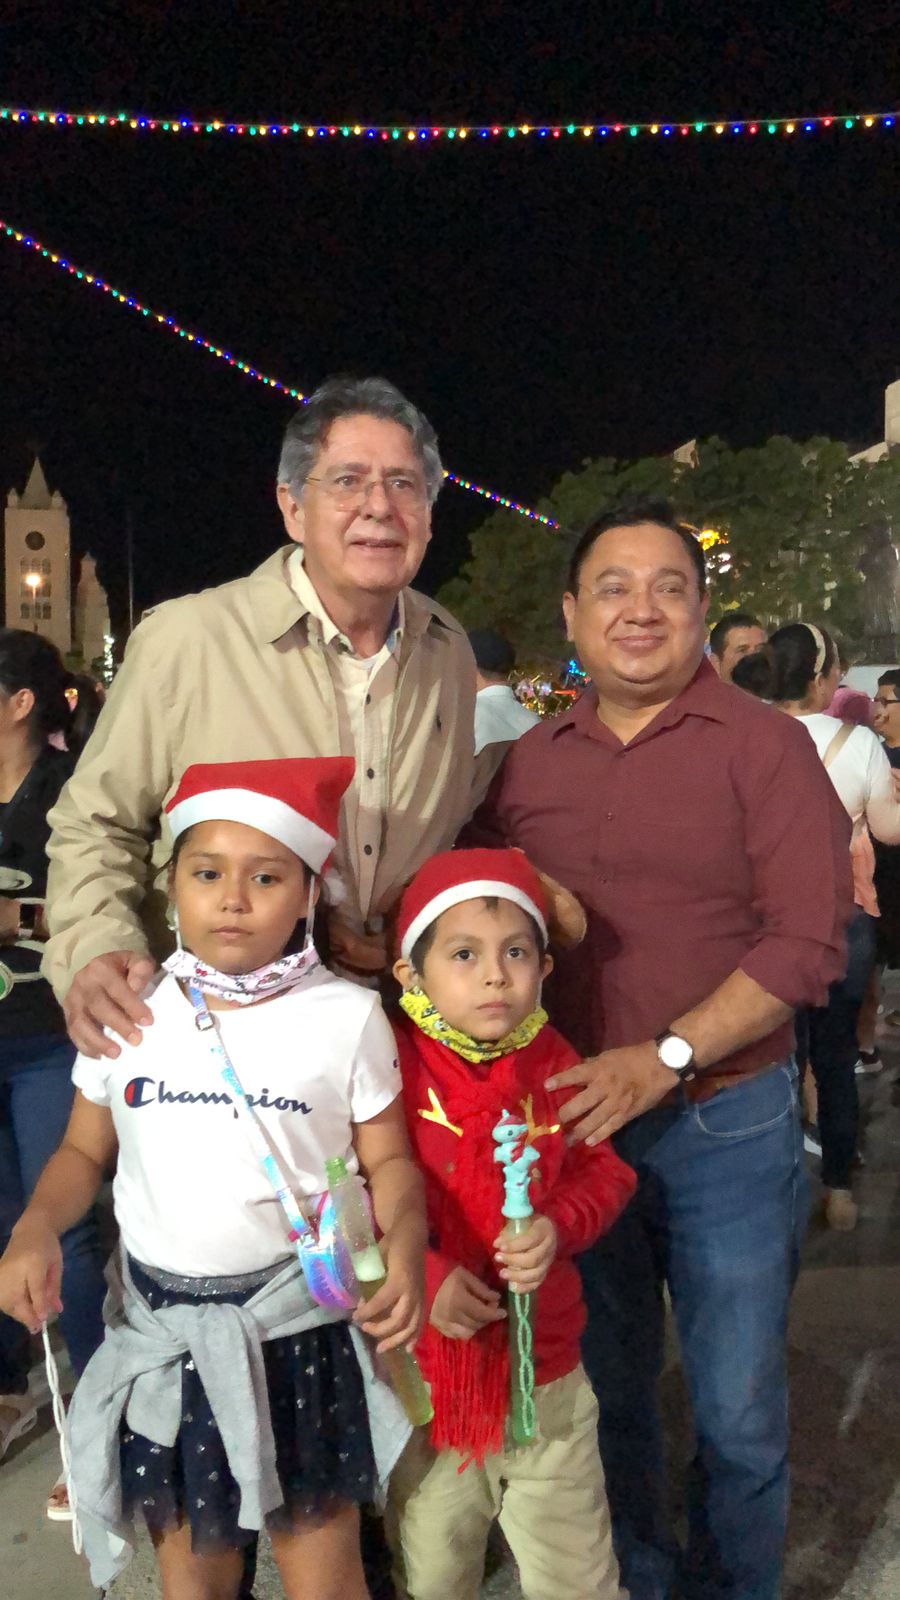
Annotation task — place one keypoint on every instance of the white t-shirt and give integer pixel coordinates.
(861, 774)
(500, 717)
(190, 1195)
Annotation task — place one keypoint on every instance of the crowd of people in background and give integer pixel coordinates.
(695, 868)
(801, 670)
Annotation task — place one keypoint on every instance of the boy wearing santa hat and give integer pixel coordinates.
(475, 1045)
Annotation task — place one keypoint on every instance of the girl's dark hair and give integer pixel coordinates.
(786, 668)
(29, 661)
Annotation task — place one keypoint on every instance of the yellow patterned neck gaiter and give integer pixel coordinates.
(426, 1016)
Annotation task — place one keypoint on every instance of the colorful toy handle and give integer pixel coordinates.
(517, 1157)
(353, 1222)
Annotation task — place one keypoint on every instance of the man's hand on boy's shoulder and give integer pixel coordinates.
(615, 1086)
(463, 1305)
(525, 1258)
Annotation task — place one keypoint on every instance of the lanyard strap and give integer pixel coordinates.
(297, 1225)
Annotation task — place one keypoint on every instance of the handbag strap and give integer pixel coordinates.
(298, 1227)
(836, 744)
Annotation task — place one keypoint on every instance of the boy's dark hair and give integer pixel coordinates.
(627, 515)
(890, 680)
(718, 637)
(490, 901)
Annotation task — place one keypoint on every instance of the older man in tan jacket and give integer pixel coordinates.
(323, 650)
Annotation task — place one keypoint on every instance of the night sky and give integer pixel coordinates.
(543, 303)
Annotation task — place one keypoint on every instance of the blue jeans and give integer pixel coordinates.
(718, 1215)
(36, 1094)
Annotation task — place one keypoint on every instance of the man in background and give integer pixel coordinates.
(499, 716)
(734, 636)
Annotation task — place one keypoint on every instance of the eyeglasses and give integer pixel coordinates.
(350, 490)
(879, 700)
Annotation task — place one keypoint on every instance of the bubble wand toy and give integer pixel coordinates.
(517, 1156)
(351, 1215)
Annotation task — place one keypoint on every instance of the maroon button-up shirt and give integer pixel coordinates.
(713, 841)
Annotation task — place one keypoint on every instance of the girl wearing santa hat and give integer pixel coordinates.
(475, 1049)
(224, 1397)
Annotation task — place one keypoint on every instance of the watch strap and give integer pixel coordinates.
(689, 1070)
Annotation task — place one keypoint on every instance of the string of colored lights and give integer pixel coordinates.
(163, 320)
(458, 133)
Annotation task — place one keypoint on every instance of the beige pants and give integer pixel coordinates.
(549, 1498)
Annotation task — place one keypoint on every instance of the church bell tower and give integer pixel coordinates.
(38, 561)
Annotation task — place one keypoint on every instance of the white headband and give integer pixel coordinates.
(821, 649)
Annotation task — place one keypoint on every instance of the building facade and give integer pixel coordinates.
(38, 561)
(38, 573)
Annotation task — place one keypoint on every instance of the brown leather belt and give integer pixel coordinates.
(706, 1084)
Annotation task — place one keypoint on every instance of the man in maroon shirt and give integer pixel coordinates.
(705, 841)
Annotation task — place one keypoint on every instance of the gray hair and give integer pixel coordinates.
(344, 396)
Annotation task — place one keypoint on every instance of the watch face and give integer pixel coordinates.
(675, 1052)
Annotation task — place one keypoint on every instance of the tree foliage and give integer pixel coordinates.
(796, 516)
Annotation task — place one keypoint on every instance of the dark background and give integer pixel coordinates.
(543, 302)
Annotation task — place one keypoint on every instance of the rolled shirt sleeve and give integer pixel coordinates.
(798, 843)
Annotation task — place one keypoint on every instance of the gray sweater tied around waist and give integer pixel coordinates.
(135, 1376)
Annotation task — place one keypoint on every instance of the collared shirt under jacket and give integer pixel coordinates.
(239, 673)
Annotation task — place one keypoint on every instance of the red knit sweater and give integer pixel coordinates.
(451, 1107)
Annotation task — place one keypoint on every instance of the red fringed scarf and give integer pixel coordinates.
(470, 1378)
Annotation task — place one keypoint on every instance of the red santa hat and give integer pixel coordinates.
(295, 801)
(459, 875)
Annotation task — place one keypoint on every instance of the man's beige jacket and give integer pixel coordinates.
(238, 673)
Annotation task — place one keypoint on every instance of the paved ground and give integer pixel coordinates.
(845, 1362)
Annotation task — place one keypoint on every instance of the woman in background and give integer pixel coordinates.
(45, 718)
(798, 673)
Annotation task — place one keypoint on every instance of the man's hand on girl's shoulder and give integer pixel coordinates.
(106, 994)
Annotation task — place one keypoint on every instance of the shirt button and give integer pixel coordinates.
(370, 772)
(368, 699)
(367, 849)
(609, 816)
(451, 1166)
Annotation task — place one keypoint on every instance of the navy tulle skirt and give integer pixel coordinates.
(323, 1446)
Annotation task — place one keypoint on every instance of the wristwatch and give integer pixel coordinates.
(28, 915)
(676, 1054)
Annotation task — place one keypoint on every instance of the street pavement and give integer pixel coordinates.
(845, 1370)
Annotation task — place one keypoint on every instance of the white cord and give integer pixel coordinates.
(62, 1428)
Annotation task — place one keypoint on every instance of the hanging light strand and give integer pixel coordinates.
(447, 133)
(163, 320)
